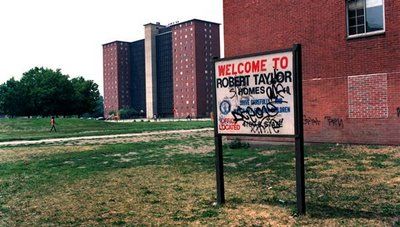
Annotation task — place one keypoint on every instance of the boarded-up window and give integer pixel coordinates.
(368, 96)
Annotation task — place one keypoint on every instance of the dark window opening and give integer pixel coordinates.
(364, 16)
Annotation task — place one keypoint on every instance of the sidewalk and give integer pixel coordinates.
(57, 140)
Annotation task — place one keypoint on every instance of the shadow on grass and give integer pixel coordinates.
(317, 210)
(325, 211)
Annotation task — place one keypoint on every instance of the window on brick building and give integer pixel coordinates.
(365, 17)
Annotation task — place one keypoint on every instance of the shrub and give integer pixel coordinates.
(128, 113)
(237, 143)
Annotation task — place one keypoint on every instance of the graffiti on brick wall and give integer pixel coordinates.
(334, 122)
(311, 121)
(398, 111)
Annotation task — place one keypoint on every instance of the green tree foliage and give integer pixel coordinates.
(45, 92)
(48, 92)
(99, 110)
(128, 113)
(86, 96)
(12, 98)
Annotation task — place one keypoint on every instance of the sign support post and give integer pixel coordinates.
(299, 131)
(219, 165)
(219, 162)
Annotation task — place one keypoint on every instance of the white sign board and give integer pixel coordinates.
(255, 95)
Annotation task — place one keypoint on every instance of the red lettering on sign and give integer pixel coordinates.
(228, 124)
(221, 70)
(247, 67)
(281, 62)
(284, 62)
(264, 65)
(255, 65)
(228, 70)
(275, 60)
(240, 68)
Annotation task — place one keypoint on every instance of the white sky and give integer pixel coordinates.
(68, 34)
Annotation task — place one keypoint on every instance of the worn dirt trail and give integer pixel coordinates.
(58, 140)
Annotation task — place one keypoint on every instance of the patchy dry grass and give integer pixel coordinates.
(170, 180)
(35, 129)
(26, 153)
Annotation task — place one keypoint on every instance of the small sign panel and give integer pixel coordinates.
(255, 96)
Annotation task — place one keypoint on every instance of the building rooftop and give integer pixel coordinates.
(116, 41)
(194, 20)
(165, 29)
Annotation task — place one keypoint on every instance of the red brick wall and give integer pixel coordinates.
(330, 60)
(184, 72)
(110, 78)
(192, 74)
(116, 76)
(368, 96)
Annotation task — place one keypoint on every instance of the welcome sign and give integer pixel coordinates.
(260, 95)
(255, 96)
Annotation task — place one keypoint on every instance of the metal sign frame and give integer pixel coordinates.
(298, 128)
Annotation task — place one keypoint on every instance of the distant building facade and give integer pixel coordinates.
(117, 76)
(168, 74)
(195, 44)
(137, 76)
(351, 61)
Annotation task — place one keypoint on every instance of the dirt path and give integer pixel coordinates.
(57, 140)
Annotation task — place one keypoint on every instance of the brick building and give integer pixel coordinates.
(116, 69)
(168, 74)
(195, 44)
(351, 61)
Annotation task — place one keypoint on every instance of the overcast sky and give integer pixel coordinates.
(68, 34)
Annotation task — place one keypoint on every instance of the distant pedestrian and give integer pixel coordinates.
(53, 125)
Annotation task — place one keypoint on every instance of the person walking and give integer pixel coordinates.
(53, 124)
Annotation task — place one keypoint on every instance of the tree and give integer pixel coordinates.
(12, 98)
(99, 110)
(86, 96)
(45, 92)
(48, 92)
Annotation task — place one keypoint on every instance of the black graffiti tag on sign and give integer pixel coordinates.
(260, 120)
(263, 119)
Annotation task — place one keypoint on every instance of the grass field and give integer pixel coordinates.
(171, 180)
(34, 129)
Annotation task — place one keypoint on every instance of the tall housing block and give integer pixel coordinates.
(195, 44)
(116, 73)
(168, 74)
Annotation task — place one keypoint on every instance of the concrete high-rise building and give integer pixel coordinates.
(168, 74)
